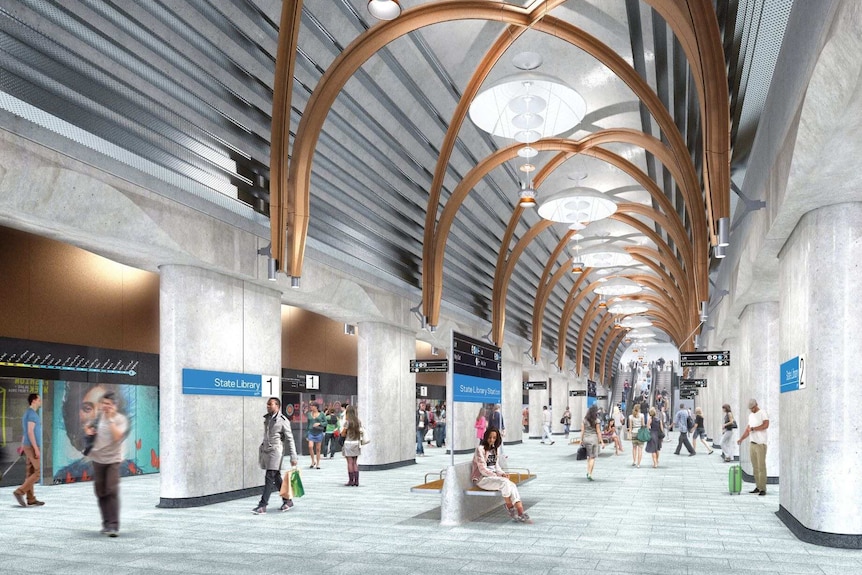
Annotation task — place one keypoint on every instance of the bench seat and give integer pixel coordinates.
(435, 486)
(516, 478)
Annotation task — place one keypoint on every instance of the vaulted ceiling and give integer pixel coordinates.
(370, 160)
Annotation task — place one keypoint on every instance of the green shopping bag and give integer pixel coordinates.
(296, 483)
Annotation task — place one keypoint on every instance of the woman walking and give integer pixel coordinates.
(636, 421)
(487, 474)
(656, 432)
(354, 437)
(591, 438)
(481, 424)
(727, 434)
(699, 431)
(316, 429)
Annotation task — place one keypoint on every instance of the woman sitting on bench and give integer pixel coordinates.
(610, 434)
(488, 475)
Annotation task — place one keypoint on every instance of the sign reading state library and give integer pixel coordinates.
(476, 370)
(200, 382)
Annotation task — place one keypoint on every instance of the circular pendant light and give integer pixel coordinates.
(635, 321)
(618, 286)
(628, 308)
(384, 9)
(605, 256)
(577, 205)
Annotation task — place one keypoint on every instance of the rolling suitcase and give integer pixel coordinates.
(734, 480)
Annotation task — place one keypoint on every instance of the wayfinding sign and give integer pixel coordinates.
(476, 370)
(529, 385)
(578, 393)
(793, 374)
(429, 365)
(691, 383)
(705, 359)
(201, 382)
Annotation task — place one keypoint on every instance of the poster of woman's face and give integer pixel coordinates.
(80, 409)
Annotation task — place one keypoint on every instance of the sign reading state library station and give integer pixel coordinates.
(200, 382)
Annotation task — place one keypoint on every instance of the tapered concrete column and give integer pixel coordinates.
(758, 374)
(386, 394)
(559, 393)
(538, 399)
(820, 315)
(213, 322)
(513, 391)
(578, 404)
(729, 392)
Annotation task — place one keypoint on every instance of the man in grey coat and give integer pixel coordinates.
(276, 434)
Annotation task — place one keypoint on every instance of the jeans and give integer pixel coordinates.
(440, 434)
(271, 482)
(420, 439)
(328, 445)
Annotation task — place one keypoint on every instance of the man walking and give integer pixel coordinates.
(110, 429)
(758, 423)
(422, 423)
(681, 424)
(32, 445)
(546, 425)
(276, 435)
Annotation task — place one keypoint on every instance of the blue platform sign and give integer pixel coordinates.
(793, 374)
(474, 389)
(200, 382)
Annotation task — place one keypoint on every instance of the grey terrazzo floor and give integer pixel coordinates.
(676, 519)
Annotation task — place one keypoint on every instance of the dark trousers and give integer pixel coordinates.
(106, 484)
(328, 445)
(683, 440)
(271, 482)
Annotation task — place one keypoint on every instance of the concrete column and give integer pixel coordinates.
(559, 393)
(512, 397)
(729, 392)
(758, 371)
(578, 404)
(386, 394)
(820, 315)
(214, 322)
(538, 399)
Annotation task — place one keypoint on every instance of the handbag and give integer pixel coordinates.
(643, 434)
(363, 437)
(582, 453)
(285, 491)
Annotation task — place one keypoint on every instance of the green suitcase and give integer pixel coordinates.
(734, 480)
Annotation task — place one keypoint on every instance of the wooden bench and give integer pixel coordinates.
(432, 486)
(454, 485)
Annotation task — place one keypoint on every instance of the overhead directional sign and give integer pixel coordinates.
(476, 370)
(705, 359)
(528, 385)
(578, 393)
(202, 382)
(692, 383)
(429, 365)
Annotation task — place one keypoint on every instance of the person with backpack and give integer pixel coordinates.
(682, 422)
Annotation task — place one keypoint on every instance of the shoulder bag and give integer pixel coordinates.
(363, 437)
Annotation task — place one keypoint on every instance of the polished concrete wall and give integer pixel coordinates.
(821, 471)
(213, 322)
(758, 375)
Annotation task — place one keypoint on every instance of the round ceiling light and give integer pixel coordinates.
(628, 308)
(635, 321)
(526, 96)
(577, 205)
(384, 9)
(528, 152)
(641, 333)
(618, 286)
(605, 256)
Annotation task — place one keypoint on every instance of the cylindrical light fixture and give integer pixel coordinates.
(724, 232)
(272, 269)
(696, 341)
(718, 252)
(703, 311)
(384, 9)
(294, 282)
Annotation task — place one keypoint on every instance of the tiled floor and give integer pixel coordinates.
(676, 519)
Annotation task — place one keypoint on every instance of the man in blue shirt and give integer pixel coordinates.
(32, 445)
(680, 423)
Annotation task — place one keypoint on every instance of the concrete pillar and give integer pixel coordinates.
(820, 315)
(729, 392)
(758, 371)
(578, 404)
(538, 399)
(214, 322)
(559, 394)
(386, 394)
(513, 391)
